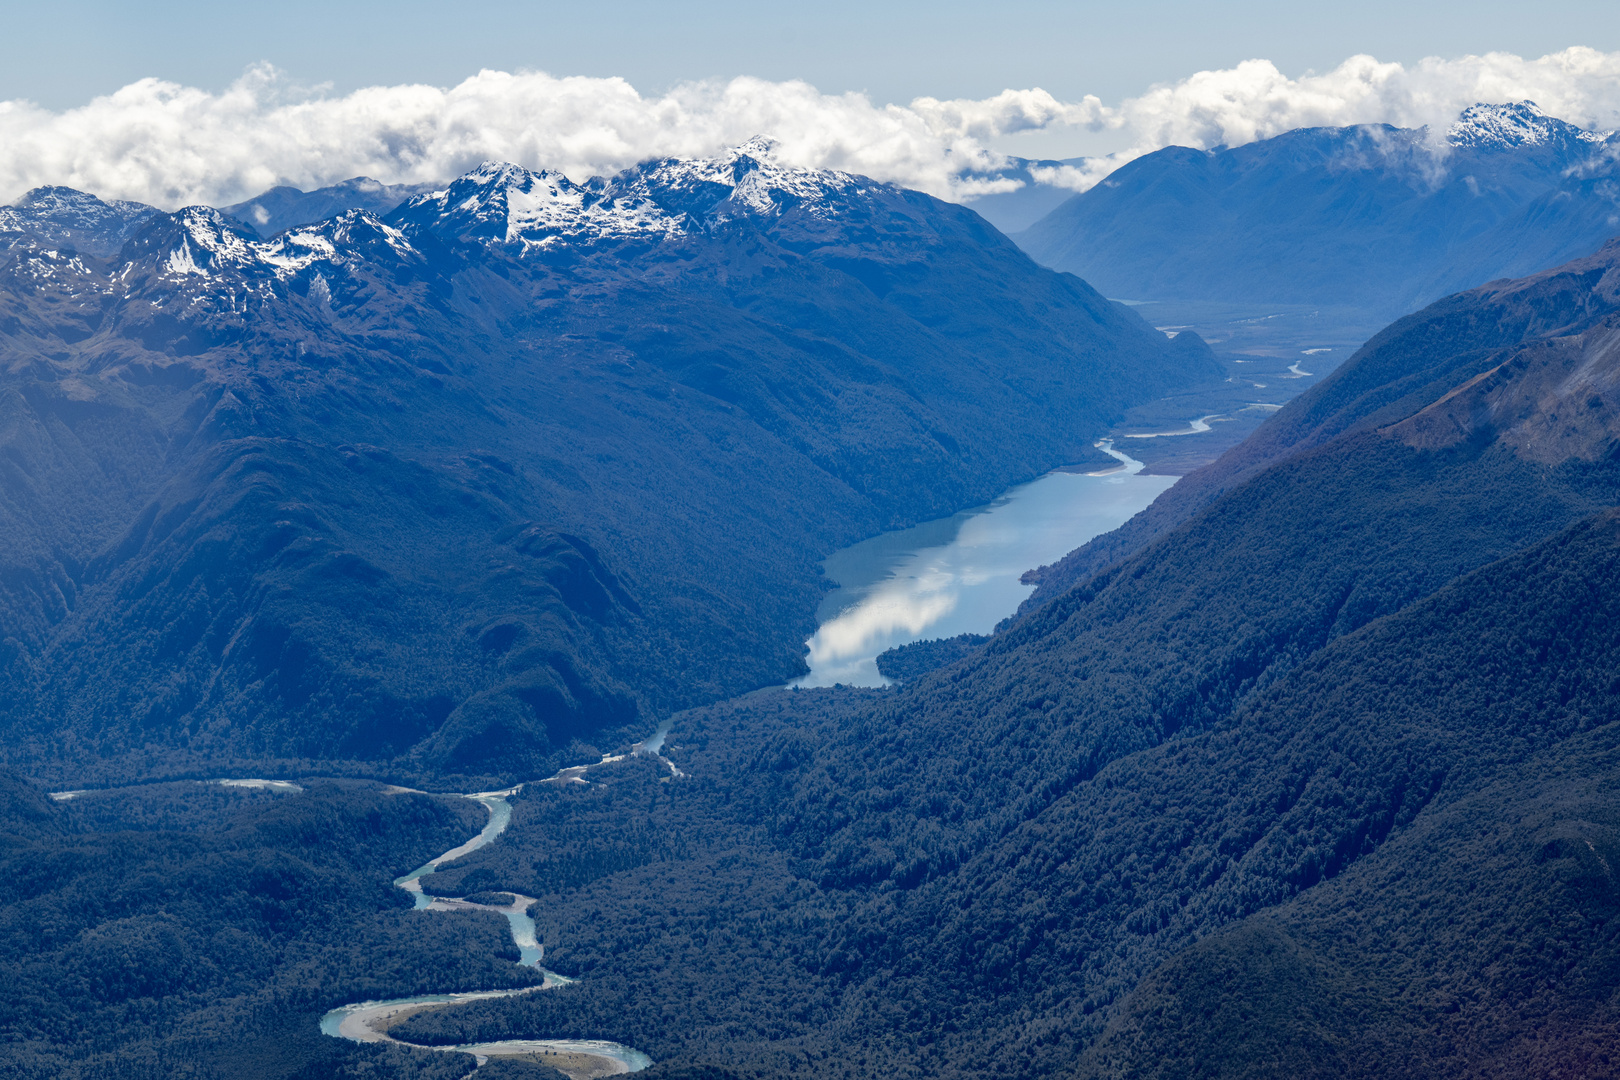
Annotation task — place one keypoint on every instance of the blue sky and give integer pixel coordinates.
(61, 54)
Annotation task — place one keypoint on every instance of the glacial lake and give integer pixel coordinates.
(959, 575)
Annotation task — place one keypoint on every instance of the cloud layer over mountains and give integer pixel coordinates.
(170, 145)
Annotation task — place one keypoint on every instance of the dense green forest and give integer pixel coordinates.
(974, 872)
(719, 923)
(920, 657)
(190, 930)
(731, 929)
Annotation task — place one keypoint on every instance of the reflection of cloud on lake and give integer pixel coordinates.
(892, 595)
(898, 610)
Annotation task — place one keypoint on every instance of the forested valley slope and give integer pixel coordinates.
(1315, 780)
(461, 493)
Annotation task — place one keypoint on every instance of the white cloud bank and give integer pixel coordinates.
(170, 145)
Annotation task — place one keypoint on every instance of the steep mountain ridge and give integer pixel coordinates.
(1409, 366)
(458, 489)
(1547, 402)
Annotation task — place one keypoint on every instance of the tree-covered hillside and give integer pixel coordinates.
(728, 925)
(452, 495)
(189, 930)
(1411, 364)
(1380, 638)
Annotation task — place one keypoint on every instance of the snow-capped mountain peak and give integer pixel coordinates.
(745, 180)
(1514, 125)
(52, 216)
(503, 203)
(208, 239)
(68, 208)
(499, 201)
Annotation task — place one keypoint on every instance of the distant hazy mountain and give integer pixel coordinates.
(1015, 211)
(527, 462)
(284, 207)
(1377, 217)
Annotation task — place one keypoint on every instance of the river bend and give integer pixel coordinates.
(368, 1021)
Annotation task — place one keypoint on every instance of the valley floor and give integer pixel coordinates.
(1269, 354)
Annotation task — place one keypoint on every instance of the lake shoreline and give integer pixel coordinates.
(962, 574)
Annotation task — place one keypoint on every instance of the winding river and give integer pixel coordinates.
(368, 1021)
(952, 576)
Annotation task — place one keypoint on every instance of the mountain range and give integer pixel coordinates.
(1374, 217)
(516, 468)
(64, 216)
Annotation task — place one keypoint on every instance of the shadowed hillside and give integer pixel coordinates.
(1413, 365)
(524, 469)
(1365, 644)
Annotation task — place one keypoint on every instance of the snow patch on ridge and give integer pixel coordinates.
(508, 204)
(209, 242)
(180, 262)
(292, 251)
